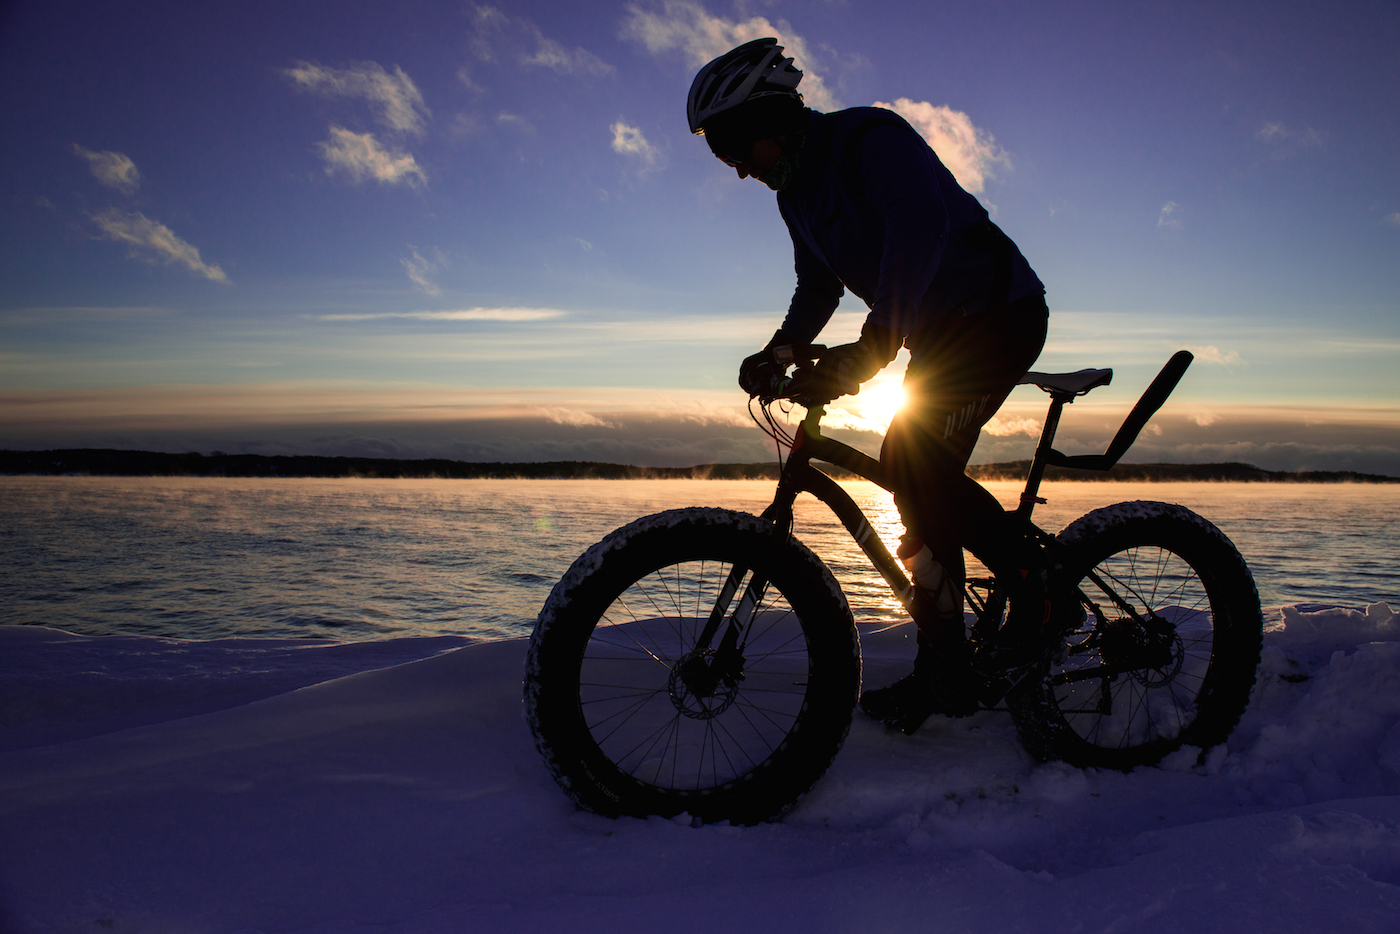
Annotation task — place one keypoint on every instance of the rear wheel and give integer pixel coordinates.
(634, 715)
(1165, 651)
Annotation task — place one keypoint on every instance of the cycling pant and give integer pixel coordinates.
(961, 378)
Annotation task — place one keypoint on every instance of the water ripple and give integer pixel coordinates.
(360, 559)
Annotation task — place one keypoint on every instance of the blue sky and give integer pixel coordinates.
(483, 230)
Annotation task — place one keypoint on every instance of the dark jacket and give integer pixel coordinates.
(874, 210)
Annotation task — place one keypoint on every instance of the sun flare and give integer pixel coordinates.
(872, 408)
(879, 401)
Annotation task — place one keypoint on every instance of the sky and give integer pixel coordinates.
(483, 231)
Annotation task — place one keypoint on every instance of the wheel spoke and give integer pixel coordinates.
(637, 715)
(1159, 584)
(659, 730)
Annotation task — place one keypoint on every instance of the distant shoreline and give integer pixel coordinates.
(100, 462)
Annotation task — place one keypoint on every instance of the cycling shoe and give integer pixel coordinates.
(941, 682)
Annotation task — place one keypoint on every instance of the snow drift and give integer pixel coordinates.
(276, 786)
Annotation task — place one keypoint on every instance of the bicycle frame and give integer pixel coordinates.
(799, 476)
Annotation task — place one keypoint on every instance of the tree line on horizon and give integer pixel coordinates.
(115, 463)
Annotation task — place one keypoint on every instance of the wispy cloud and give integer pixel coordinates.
(630, 141)
(970, 153)
(1285, 139)
(460, 314)
(398, 106)
(514, 120)
(1169, 217)
(561, 415)
(419, 268)
(361, 156)
(1393, 218)
(113, 169)
(554, 56)
(1213, 354)
(1000, 427)
(496, 34)
(394, 96)
(700, 36)
(154, 242)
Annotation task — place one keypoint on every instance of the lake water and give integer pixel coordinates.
(354, 559)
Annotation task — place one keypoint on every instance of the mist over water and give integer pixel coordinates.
(200, 558)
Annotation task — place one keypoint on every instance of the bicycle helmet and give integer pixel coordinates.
(754, 70)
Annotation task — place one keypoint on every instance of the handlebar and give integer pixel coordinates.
(782, 386)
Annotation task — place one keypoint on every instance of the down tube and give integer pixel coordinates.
(839, 501)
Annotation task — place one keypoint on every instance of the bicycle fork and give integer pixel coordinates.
(702, 670)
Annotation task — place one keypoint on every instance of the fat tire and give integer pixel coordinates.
(811, 607)
(1175, 558)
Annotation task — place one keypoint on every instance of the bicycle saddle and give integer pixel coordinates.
(1078, 382)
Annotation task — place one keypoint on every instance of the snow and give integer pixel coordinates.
(156, 785)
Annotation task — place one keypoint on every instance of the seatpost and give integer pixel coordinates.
(1042, 454)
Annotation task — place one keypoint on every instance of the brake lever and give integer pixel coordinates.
(798, 388)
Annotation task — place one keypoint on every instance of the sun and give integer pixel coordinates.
(881, 399)
(877, 402)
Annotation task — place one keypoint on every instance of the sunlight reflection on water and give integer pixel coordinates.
(355, 559)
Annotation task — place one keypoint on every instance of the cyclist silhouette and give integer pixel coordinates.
(872, 210)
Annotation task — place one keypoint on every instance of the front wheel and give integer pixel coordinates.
(1165, 648)
(638, 710)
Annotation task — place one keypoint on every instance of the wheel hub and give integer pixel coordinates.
(701, 688)
(1162, 651)
(1152, 650)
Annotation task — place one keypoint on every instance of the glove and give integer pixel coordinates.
(843, 368)
(759, 371)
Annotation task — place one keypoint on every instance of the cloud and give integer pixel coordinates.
(113, 169)
(464, 78)
(576, 417)
(1004, 427)
(362, 156)
(701, 36)
(494, 33)
(418, 268)
(968, 152)
(154, 242)
(554, 56)
(1278, 134)
(488, 26)
(629, 141)
(514, 120)
(461, 314)
(396, 98)
(1213, 354)
(1170, 216)
(539, 424)
(1393, 218)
